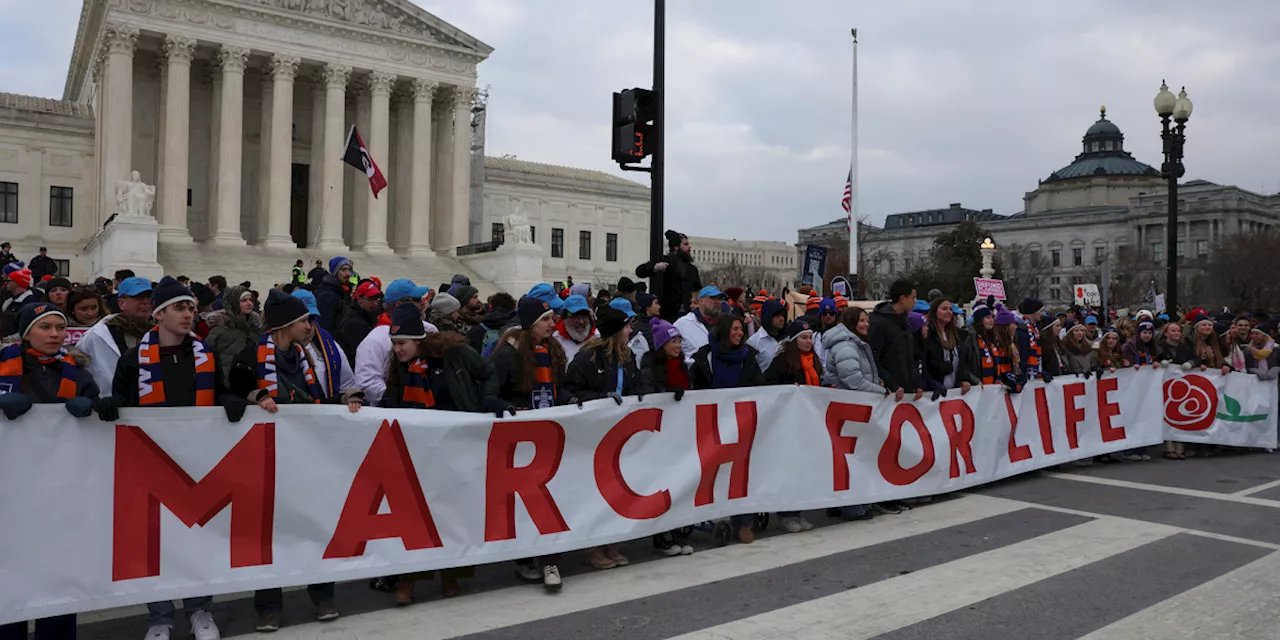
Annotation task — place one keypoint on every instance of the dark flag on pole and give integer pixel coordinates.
(357, 155)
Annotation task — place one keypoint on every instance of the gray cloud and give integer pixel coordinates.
(959, 101)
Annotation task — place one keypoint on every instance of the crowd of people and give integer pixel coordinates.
(331, 336)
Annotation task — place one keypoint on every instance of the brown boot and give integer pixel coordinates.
(746, 535)
(404, 592)
(450, 587)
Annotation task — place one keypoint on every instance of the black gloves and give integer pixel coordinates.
(1087, 374)
(1010, 383)
(511, 409)
(576, 401)
(940, 393)
(108, 408)
(1099, 371)
(234, 406)
(1046, 376)
(80, 407)
(615, 397)
(15, 405)
(679, 393)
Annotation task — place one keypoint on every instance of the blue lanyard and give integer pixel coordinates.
(619, 380)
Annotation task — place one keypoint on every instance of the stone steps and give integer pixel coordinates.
(267, 267)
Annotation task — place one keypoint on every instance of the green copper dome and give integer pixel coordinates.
(1103, 155)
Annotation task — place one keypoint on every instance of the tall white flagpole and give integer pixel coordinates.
(853, 178)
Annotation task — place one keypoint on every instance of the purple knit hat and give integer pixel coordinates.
(663, 332)
(1005, 316)
(915, 321)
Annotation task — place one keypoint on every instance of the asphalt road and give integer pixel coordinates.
(1160, 549)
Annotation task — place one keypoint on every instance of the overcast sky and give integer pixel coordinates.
(967, 102)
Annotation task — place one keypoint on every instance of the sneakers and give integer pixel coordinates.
(791, 524)
(203, 627)
(1145, 457)
(1133, 457)
(267, 622)
(686, 549)
(326, 612)
(599, 559)
(883, 508)
(746, 535)
(528, 573)
(404, 592)
(616, 556)
(157, 632)
(665, 544)
(551, 578)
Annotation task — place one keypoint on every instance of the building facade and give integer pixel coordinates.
(754, 264)
(1105, 208)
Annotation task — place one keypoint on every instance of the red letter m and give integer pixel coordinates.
(146, 477)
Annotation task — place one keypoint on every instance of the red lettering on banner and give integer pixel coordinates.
(608, 465)
(957, 417)
(1107, 410)
(387, 472)
(503, 480)
(713, 454)
(1017, 452)
(146, 478)
(890, 468)
(843, 446)
(1042, 415)
(1075, 414)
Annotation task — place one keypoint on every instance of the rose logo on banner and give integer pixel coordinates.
(1190, 403)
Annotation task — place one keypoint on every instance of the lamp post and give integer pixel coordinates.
(1179, 110)
(988, 249)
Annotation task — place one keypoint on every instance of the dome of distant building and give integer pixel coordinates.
(1103, 154)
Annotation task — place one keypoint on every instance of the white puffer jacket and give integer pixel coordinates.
(849, 363)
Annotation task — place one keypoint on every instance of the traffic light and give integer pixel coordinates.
(633, 117)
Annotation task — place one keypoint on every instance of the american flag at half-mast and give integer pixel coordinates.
(357, 155)
(848, 197)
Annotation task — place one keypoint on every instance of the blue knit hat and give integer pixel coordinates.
(336, 263)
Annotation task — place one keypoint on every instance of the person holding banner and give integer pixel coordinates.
(276, 371)
(851, 366)
(1081, 356)
(946, 361)
(528, 367)
(187, 372)
(1029, 341)
(1052, 360)
(996, 365)
(1206, 346)
(797, 364)
(107, 341)
(437, 371)
(893, 345)
(38, 370)
(1141, 349)
(662, 369)
(773, 321)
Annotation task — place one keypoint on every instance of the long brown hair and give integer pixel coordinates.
(80, 294)
(1198, 344)
(433, 346)
(851, 317)
(614, 348)
(1007, 337)
(1078, 347)
(1108, 356)
(522, 341)
(947, 335)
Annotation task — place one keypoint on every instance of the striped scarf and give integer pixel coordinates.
(333, 360)
(417, 387)
(543, 394)
(995, 361)
(267, 370)
(1035, 351)
(151, 374)
(11, 369)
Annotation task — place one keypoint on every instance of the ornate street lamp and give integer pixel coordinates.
(988, 250)
(1179, 110)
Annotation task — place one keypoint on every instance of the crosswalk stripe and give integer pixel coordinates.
(522, 604)
(1257, 489)
(1195, 493)
(1240, 605)
(885, 606)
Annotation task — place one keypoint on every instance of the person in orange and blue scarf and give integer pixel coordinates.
(276, 371)
(38, 370)
(171, 367)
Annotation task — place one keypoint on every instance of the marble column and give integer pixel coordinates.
(380, 146)
(255, 231)
(441, 170)
(177, 126)
(230, 145)
(401, 177)
(315, 184)
(283, 70)
(335, 81)
(116, 131)
(211, 178)
(460, 211)
(420, 191)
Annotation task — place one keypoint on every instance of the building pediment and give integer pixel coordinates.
(396, 16)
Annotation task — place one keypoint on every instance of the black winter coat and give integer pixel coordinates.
(700, 371)
(778, 373)
(675, 286)
(243, 380)
(331, 300)
(353, 329)
(506, 373)
(937, 366)
(41, 382)
(591, 376)
(1053, 360)
(472, 385)
(42, 266)
(177, 371)
(894, 349)
(493, 320)
(1181, 354)
(653, 374)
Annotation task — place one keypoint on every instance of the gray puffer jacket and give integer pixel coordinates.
(849, 363)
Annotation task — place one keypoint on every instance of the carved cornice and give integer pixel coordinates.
(232, 58)
(284, 67)
(179, 49)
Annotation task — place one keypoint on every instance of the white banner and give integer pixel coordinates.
(172, 503)
(1207, 407)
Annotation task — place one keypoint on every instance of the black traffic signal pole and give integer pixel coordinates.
(656, 223)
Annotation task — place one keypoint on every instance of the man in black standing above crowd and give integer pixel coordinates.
(317, 273)
(674, 278)
(6, 257)
(42, 265)
(892, 344)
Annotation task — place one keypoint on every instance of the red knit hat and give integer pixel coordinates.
(814, 302)
(46, 278)
(733, 293)
(22, 278)
(758, 302)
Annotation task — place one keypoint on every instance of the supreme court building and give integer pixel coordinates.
(238, 112)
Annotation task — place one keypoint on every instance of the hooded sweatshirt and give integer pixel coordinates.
(766, 339)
